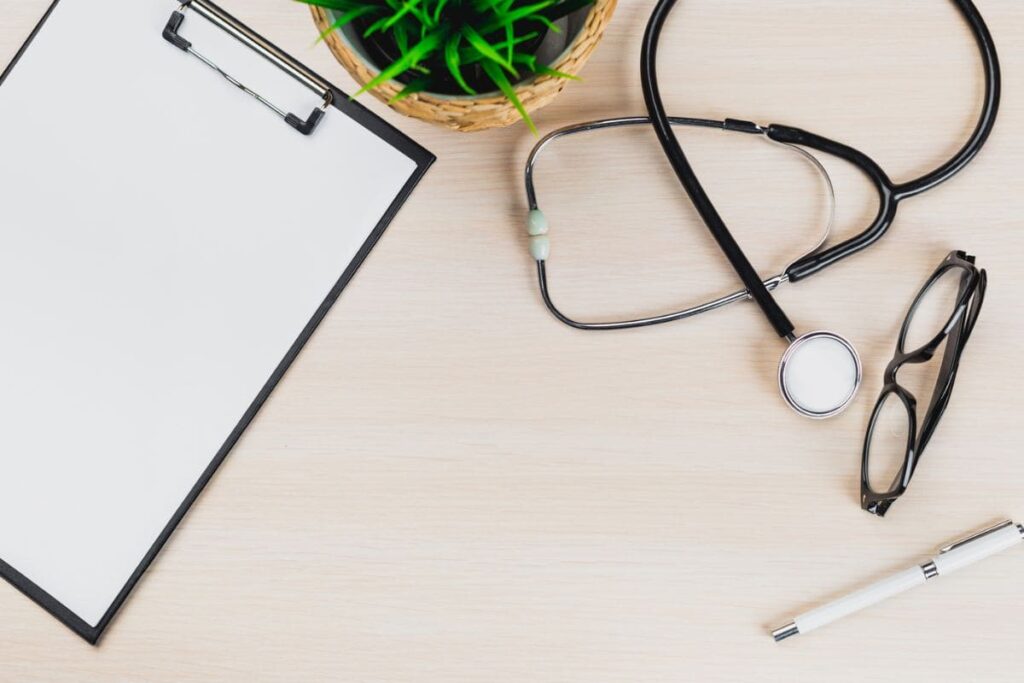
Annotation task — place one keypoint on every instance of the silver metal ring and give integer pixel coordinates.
(787, 358)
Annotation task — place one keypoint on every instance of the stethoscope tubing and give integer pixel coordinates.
(890, 194)
(987, 118)
(589, 126)
(727, 125)
(739, 295)
(688, 178)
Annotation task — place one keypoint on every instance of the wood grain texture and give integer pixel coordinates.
(450, 486)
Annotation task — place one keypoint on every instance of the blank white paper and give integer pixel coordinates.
(165, 240)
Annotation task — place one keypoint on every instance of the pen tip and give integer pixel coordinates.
(786, 631)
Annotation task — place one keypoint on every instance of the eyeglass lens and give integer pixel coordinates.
(887, 447)
(934, 309)
(933, 313)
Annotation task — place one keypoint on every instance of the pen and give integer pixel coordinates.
(956, 555)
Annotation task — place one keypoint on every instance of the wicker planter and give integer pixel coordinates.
(466, 113)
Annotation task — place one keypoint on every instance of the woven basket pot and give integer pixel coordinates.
(472, 113)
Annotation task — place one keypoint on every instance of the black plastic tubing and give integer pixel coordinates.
(889, 193)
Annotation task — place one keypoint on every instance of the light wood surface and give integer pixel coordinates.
(451, 486)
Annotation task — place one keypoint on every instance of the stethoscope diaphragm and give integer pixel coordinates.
(819, 374)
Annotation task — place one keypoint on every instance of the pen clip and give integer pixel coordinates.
(975, 536)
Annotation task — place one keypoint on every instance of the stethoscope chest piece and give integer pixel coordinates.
(819, 374)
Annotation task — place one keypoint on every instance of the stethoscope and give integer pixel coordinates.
(820, 371)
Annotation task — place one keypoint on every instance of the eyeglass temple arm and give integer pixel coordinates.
(955, 344)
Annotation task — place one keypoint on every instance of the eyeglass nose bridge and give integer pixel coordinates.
(892, 370)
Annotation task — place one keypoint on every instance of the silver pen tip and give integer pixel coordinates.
(786, 631)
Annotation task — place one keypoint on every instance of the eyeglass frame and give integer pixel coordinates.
(956, 333)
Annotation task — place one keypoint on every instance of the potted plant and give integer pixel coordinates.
(466, 64)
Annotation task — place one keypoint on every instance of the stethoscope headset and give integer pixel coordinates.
(820, 372)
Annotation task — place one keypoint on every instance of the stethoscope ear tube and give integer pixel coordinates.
(537, 224)
(663, 128)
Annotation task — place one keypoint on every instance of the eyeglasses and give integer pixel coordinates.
(945, 310)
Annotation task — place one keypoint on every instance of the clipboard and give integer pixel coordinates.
(170, 245)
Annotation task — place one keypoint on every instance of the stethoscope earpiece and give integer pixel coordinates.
(819, 374)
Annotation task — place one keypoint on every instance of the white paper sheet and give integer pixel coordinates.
(164, 239)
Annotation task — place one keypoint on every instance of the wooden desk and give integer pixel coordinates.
(450, 486)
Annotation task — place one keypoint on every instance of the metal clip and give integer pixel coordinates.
(975, 536)
(246, 36)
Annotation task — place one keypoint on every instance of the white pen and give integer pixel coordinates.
(957, 555)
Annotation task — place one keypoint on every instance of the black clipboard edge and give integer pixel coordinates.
(376, 125)
(24, 46)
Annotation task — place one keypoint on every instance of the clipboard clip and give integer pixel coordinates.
(254, 41)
